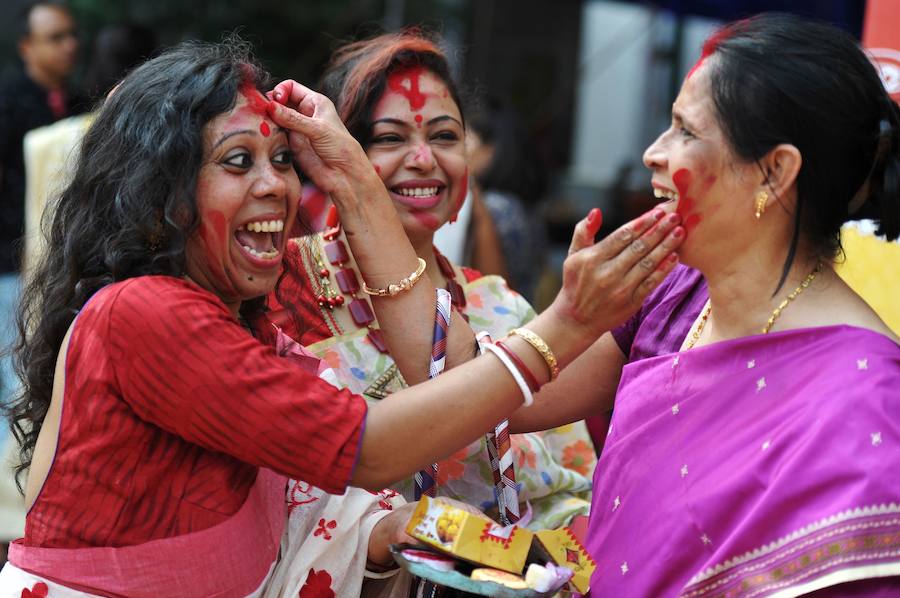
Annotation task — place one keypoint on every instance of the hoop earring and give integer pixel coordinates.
(761, 199)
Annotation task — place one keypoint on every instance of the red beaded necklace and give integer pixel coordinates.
(457, 295)
(347, 281)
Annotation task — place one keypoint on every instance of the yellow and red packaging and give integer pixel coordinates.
(469, 536)
(565, 550)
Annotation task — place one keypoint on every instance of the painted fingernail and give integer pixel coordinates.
(595, 217)
(678, 233)
(658, 214)
(674, 218)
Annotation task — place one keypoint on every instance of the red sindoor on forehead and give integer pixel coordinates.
(257, 102)
(709, 47)
(412, 93)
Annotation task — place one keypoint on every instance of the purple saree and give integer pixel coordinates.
(759, 466)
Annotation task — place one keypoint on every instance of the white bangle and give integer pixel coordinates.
(517, 376)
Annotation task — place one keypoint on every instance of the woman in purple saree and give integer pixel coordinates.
(760, 458)
(755, 442)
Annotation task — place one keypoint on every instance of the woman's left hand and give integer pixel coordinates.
(326, 151)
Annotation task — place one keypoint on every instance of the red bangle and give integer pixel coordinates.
(526, 373)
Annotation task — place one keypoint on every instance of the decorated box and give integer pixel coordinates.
(565, 550)
(471, 537)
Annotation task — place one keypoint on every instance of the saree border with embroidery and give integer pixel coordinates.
(757, 466)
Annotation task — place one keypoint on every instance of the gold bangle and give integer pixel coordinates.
(398, 287)
(541, 347)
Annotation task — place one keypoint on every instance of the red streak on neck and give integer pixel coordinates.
(412, 94)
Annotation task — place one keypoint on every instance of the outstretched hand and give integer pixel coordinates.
(604, 283)
(323, 147)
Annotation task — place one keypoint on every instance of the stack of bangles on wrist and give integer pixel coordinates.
(519, 370)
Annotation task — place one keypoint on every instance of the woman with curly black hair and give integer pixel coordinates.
(157, 420)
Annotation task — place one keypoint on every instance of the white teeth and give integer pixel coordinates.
(661, 193)
(271, 226)
(418, 191)
(266, 255)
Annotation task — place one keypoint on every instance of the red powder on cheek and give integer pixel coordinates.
(461, 196)
(429, 221)
(212, 233)
(264, 129)
(412, 94)
(685, 209)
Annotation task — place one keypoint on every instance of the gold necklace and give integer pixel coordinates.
(695, 336)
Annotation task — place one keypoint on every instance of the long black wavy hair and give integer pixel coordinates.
(129, 208)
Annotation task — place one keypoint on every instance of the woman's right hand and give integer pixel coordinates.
(326, 151)
(604, 283)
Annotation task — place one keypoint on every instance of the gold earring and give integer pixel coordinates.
(761, 198)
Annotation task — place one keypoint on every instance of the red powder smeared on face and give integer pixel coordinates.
(264, 129)
(412, 94)
(212, 233)
(461, 196)
(689, 218)
(429, 221)
(709, 47)
(257, 101)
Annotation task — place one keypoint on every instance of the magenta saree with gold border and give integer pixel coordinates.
(767, 465)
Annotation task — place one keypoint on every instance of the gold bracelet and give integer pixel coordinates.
(397, 287)
(541, 347)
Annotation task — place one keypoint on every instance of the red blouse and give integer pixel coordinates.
(170, 407)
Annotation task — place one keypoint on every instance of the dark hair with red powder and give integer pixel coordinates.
(357, 75)
(778, 78)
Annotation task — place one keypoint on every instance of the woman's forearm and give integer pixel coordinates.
(384, 255)
(584, 389)
(427, 422)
